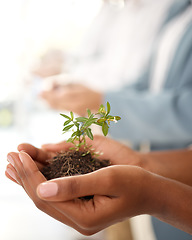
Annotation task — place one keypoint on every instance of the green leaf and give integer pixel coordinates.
(101, 108)
(71, 148)
(88, 112)
(76, 124)
(89, 133)
(117, 118)
(101, 120)
(105, 128)
(79, 133)
(68, 127)
(91, 116)
(82, 125)
(109, 117)
(99, 124)
(108, 108)
(81, 119)
(72, 115)
(67, 122)
(74, 134)
(65, 116)
(90, 121)
(84, 154)
(70, 140)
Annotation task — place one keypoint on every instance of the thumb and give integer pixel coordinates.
(68, 188)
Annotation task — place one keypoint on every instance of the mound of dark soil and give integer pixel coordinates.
(72, 163)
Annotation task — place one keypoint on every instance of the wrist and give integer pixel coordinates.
(155, 195)
(143, 188)
(148, 188)
(145, 161)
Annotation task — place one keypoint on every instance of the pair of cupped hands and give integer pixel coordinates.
(119, 190)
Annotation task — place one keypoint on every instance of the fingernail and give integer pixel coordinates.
(10, 159)
(22, 156)
(11, 174)
(47, 190)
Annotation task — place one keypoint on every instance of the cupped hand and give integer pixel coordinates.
(39, 156)
(118, 194)
(117, 153)
(25, 172)
(107, 148)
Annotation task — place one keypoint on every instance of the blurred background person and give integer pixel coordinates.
(116, 46)
(165, 74)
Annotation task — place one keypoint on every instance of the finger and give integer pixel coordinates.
(11, 157)
(105, 208)
(29, 170)
(39, 165)
(113, 150)
(47, 207)
(62, 146)
(68, 188)
(31, 178)
(35, 153)
(11, 173)
(95, 214)
(20, 168)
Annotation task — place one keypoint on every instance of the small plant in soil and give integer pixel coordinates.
(80, 159)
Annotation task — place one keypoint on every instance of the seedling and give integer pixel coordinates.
(81, 126)
(80, 159)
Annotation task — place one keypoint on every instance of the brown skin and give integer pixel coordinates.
(172, 164)
(120, 191)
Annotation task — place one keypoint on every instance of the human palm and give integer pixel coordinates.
(117, 153)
